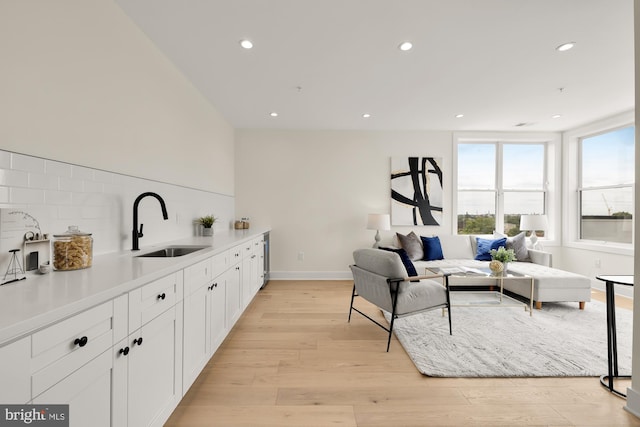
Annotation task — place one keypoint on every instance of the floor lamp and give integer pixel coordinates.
(378, 222)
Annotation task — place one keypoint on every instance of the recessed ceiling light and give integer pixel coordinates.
(273, 114)
(366, 115)
(556, 116)
(565, 46)
(405, 46)
(459, 116)
(247, 44)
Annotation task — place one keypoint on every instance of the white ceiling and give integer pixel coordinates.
(321, 64)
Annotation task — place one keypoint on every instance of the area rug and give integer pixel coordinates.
(558, 341)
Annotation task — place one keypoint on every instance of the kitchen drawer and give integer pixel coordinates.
(257, 243)
(15, 383)
(220, 263)
(153, 299)
(197, 275)
(247, 249)
(60, 349)
(235, 254)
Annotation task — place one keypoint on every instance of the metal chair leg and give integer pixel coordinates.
(353, 295)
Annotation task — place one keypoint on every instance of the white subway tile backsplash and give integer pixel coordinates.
(26, 195)
(69, 212)
(27, 163)
(12, 178)
(42, 181)
(100, 202)
(102, 176)
(54, 168)
(93, 187)
(4, 194)
(5, 160)
(57, 197)
(81, 173)
(70, 184)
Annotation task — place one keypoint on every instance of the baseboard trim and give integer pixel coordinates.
(310, 275)
(633, 402)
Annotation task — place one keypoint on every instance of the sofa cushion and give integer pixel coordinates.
(412, 245)
(404, 257)
(432, 248)
(486, 245)
(519, 245)
(456, 246)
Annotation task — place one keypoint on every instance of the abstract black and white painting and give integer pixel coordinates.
(416, 191)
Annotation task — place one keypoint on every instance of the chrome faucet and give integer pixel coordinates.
(137, 234)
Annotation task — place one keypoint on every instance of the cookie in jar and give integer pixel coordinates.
(72, 250)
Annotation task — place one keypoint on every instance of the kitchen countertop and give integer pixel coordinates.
(41, 299)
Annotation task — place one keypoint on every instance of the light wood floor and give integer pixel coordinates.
(293, 360)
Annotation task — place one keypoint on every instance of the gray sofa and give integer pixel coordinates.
(550, 284)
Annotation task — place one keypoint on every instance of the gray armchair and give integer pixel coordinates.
(380, 277)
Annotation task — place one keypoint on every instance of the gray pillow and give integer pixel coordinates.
(412, 245)
(519, 245)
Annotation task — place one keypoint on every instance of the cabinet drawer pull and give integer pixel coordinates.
(81, 341)
(137, 341)
(238, 268)
(124, 351)
(162, 296)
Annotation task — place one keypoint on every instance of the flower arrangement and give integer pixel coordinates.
(502, 254)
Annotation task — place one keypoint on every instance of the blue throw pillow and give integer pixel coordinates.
(408, 265)
(485, 245)
(432, 248)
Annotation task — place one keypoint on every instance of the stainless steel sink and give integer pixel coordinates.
(171, 252)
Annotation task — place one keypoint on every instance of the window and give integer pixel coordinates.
(606, 186)
(497, 183)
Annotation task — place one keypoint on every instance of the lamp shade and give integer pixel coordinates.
(533, 222)
(378, 222)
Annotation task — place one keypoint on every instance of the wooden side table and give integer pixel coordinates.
(612, 343)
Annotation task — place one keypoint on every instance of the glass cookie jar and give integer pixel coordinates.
(72, 250)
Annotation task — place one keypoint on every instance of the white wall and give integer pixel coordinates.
(315, 189)
(81, 84)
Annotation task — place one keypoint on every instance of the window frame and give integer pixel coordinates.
(572, 163)
(551, 172)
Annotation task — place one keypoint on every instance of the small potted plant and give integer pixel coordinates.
(500, 258)
(207, 224)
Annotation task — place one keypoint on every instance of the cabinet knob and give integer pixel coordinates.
(124, 351)
(238, 268)
(81, 341)
(137, 341)
(162, 296)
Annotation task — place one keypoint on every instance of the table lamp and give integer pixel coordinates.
(378, 222)
(533, 223)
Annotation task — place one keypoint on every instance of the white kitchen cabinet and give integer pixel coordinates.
(15, 372)
(252, 270)
(87, 391)
(233, 295)
(216, 302)
(148, 363)
(148, 372)
(71, 364)
(197, 281)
